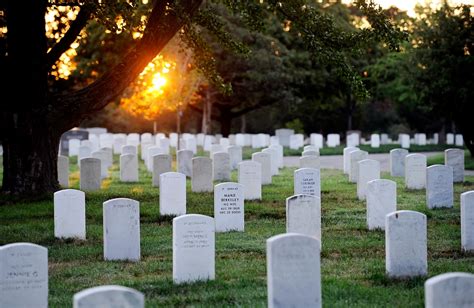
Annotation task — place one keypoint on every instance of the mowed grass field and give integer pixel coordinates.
(353, 259)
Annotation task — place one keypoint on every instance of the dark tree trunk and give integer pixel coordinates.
(226, 123)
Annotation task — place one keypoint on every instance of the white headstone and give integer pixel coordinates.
(450, 139)
(455, 159)
(119, 142)
(307, 181)
(467, 220)
(404, 141)
(265, 161)
(317, 140)
(63, 171)
(74, 145)
(439, 186)
(283, 135)
(415, 171)
(202, 175)
(355, 157)
(369, 170)
(221, 166)
(84, 152)
(459, 140)
(405, 244)
(309, 162)
(397, 162)
(90, 178)
(375, 141)
(23, 276)
(128, 168)
(296, 141)
(303, 215)
(293, 271)
(152, 151)
(381, 201)
(346, 158)
(250, 176)
(235, 155)
(450, 290)
(172, 193)
(109, 296)
(161, 164)
(333, 140)
(121, 229)
(279, 149)
(184, 162)
(193, 248)
(229, 207)
(273, 159)
(129, 149)
(102, 155)
(164, 144)
(70, 214)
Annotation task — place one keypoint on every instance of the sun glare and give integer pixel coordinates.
(158, 82)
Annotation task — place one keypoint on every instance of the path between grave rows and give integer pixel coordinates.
(335, 161)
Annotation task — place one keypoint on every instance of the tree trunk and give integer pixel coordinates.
(226, 123)
(243, 124)
(206, 114)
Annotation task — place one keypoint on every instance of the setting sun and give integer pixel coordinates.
(158, 82)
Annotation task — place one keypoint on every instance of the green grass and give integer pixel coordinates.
(439, 159)
(353, 259)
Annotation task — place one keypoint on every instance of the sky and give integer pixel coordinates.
(409, 5)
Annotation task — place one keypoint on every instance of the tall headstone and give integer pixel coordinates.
(23, 275)
(161, 164)
(121, 229)
(63, 171)
(184, 162)
(172, 193)
(303, 215)
(405, 244)
(90, 178)
(221, 166)
(455, 159)
(369, 169)
(307, 181)
(128, 168)
(415, 171)
(229, 207)
(193, 248)
(439, 186)
(346, 158)
(355, 157)
(293, 271)
(467, 220)
(381, 201)
(235, 155)
(397, 162)
(202, 175)
(109, 296)
(450, 290)
(70, 214)
(250, 176)
(265, 161)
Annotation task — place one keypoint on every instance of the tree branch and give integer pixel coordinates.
(70, 36)
(164, 22)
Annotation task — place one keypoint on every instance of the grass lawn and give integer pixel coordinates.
(439, 159)
(353, 259)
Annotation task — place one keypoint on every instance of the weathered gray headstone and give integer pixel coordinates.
(202, 175)
(303, 215)
(250, 176)
(293, 271)
(467, 220)
(455, 159)
(415, 171)
(265, 161)
(161, 164)
(381, 201)
(90, 178)
(450, 290)
(70, 214)
(184, 162)
(121, 229)
(172, 193)
(128, 168)
(109, 296)
(307, 181)
(23, 276)
(405, 244)
(229, 207)
(439, 186)
(369, 170)
(193, 248)
(397, 162)
(221, 166)
(63, 171)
